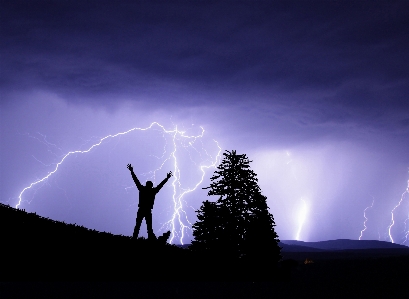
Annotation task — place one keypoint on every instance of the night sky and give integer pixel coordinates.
(315, 93)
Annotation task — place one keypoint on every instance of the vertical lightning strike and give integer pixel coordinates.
(176, 223)
(178, 200)
(366, 218)
(406, 230)
(302, 218)
(178, 191)
(407, 222)
(393, 210)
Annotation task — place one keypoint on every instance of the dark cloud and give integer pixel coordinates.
(311, 64)
(97, 48)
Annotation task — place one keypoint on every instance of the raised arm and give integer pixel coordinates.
(135, 179)
(164, 181)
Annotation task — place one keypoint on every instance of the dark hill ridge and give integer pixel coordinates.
(345, 244)
(342, 249)
(38, 248)
(43, 248)
(333, 245)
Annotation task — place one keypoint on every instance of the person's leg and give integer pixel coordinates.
(139, 217)
(148, 219)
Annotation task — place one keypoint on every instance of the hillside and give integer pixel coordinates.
(38, 249)
(43, 248)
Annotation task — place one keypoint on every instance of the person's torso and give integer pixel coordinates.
(147, 197)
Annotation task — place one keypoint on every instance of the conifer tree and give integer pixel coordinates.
(238, 223)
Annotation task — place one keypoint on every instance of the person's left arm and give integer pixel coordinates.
(164, 181)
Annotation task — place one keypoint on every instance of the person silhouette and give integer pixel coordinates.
(146, 200)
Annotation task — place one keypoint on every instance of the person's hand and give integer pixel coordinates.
(169, 174)
(129, 166)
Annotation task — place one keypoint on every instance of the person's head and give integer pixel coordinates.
(149, 184)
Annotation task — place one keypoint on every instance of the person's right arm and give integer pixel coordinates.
(135, 179)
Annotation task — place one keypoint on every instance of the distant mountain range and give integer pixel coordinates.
(340, 244)
(341, 249)
(332, 245)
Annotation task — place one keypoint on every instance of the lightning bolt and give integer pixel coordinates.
(176, 223)
(406, 230)
(302, 218)
(46, 143)
(392, 213)
(178, 198)
(366, 218)
(179, 216)
(406, 221)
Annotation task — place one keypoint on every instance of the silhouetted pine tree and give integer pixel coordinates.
(238, 224)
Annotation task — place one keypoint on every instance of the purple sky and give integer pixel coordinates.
(314, 92)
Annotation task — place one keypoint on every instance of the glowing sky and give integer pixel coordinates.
(315, 93)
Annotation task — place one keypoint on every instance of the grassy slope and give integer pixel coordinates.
(40, 248)
(35, 248)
